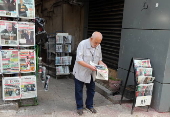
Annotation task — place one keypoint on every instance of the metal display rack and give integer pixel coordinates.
(63, 50)
(136, 85)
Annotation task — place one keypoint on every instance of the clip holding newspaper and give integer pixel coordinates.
(102, 72)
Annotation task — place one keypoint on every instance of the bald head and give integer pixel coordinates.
(97, 35)
(96, 39)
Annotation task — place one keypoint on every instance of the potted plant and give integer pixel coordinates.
(114, 83)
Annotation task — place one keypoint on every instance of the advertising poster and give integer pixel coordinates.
(11, 88)
(10, 61)
(8, 8)
(26, 9)
(8, 33)
(27, 61)
(28, 87)
(26, 33)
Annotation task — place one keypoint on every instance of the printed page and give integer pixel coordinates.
(10, 61)
(26, 34)
(27, 61)
(8, 8)
(8, 33)
(11, 88)
(26, 9)
(28, 87)
(142, 63)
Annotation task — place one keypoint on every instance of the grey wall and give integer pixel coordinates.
(146, 34)
(151, 18)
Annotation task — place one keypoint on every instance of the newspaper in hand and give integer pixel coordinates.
(102, 72)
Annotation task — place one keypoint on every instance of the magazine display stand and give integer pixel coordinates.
(63, 50)
(17, 53)
(142, 82)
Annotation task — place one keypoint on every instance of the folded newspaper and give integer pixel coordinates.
(102, 71)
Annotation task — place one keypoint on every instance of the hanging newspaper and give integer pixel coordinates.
(27, 61)
(10, 61)
(142, 63)
(65, 60)
(59, 48)
(62, 70)
(26, 9)
(144, 90)
(144, 94)
(11, 88)
(67, 39)
(67, 48)
(59, 39)
(28, 87)
(145, 79)
(26, 33)
(143, 71)
(8, 33)
(8, 8)
(143, 101)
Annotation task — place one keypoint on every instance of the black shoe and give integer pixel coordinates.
(92, 110)
(80, 111)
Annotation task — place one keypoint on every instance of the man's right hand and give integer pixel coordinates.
(87, 65)
(92, 68)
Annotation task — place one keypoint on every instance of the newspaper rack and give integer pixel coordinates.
(144, 98)
(17, 42)
(58, 54)
(63, 58)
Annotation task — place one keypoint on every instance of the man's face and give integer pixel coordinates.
(95, 42)
(9, 27)
(21, 1)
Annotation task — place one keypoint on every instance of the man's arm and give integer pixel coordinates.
(84, 64)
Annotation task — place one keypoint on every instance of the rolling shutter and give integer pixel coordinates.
(106, 17)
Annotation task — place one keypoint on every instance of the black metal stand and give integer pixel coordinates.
(135, 82)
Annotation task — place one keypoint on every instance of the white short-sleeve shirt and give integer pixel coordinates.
(86, 53)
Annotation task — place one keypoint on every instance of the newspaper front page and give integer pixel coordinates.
(26, 9)
(27, 61)
(10, 61)
(8, 8)
(26, 34)
(11, 88)
(28, 87)
(144, 94)
(8, 33)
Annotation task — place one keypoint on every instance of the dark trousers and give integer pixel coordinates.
(79, 93)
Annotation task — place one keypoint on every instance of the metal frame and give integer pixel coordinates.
(135, 83)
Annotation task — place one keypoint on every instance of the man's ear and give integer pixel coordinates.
(91, 39)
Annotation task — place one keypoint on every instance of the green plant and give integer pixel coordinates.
(115, 79)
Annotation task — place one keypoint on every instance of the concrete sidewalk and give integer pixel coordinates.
(59, 101)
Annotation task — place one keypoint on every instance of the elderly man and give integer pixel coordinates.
(87, 50)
